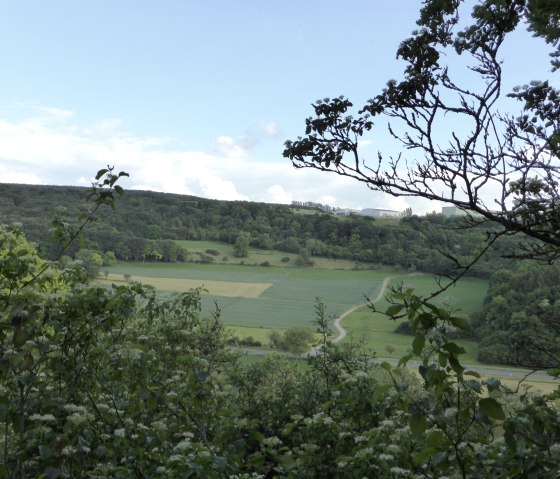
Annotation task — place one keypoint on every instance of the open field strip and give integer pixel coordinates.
(287, 301)
(256, 256)
(216, 288)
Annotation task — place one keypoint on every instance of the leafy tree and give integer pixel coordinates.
(501, 166)
(91, 261)
(241, 246)
(296, 340)
(304, 258)
(521, 321)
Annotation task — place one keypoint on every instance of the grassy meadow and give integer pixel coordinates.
(254, 300)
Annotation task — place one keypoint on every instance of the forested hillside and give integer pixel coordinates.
(143, 223)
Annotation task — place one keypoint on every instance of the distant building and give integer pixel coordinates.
(452, 211)
(378, 213)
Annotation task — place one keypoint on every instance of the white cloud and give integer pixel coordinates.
(58, 150)
(220, 189)
(270, 129)
(21, 177)
(227, 146)
(276, 194)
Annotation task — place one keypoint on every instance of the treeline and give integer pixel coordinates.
(314, 205)
(144, 225)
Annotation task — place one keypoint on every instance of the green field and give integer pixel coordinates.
(288, 301)
(253, 300)
(378, 331)
(256, 256)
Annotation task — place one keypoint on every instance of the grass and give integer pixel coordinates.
(289, 300)
(216, 288)
(255, 256)
(379, 332)
(254, 300)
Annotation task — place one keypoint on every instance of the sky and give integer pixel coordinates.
(198, 96)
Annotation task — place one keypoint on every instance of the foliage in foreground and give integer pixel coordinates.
(123, 383)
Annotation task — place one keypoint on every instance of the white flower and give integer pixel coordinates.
(42, 417)
(183, 445)
(386, 457)
(272, 441)
(450, 412)
(68, 450)
(393, 448)
(386, 423)
(399, 471)
(120, 432)
(73, 408)
(77, 418)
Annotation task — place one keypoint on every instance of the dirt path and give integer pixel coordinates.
(341, 331)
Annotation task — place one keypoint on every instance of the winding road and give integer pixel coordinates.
(341, 331)
(504, 372)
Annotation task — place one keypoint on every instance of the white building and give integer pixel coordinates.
(379, 213)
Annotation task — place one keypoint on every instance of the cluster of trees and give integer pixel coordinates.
(315, 206)
(520, 322)
(146, 225)
(295, 340)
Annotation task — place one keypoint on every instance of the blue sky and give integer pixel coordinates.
(197, 97)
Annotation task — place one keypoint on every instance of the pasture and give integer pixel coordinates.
(255, 257)
(286, 298)
(378, 331)
(253, 300)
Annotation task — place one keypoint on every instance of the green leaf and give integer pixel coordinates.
(417, 424)
(423, 456)
(385, 365)
(418, 344)
(453, 348)
(474, 385)
(493, 384)
(491, 408)
(20, 338)
(437, 440)
(394, 309)
(460, 323)
(119, 190)
(404, 360)
(257, 436)
(472, 373)
(28, 361)
(379, 391)
(45, 452)
(100, 173)
(4, 365)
